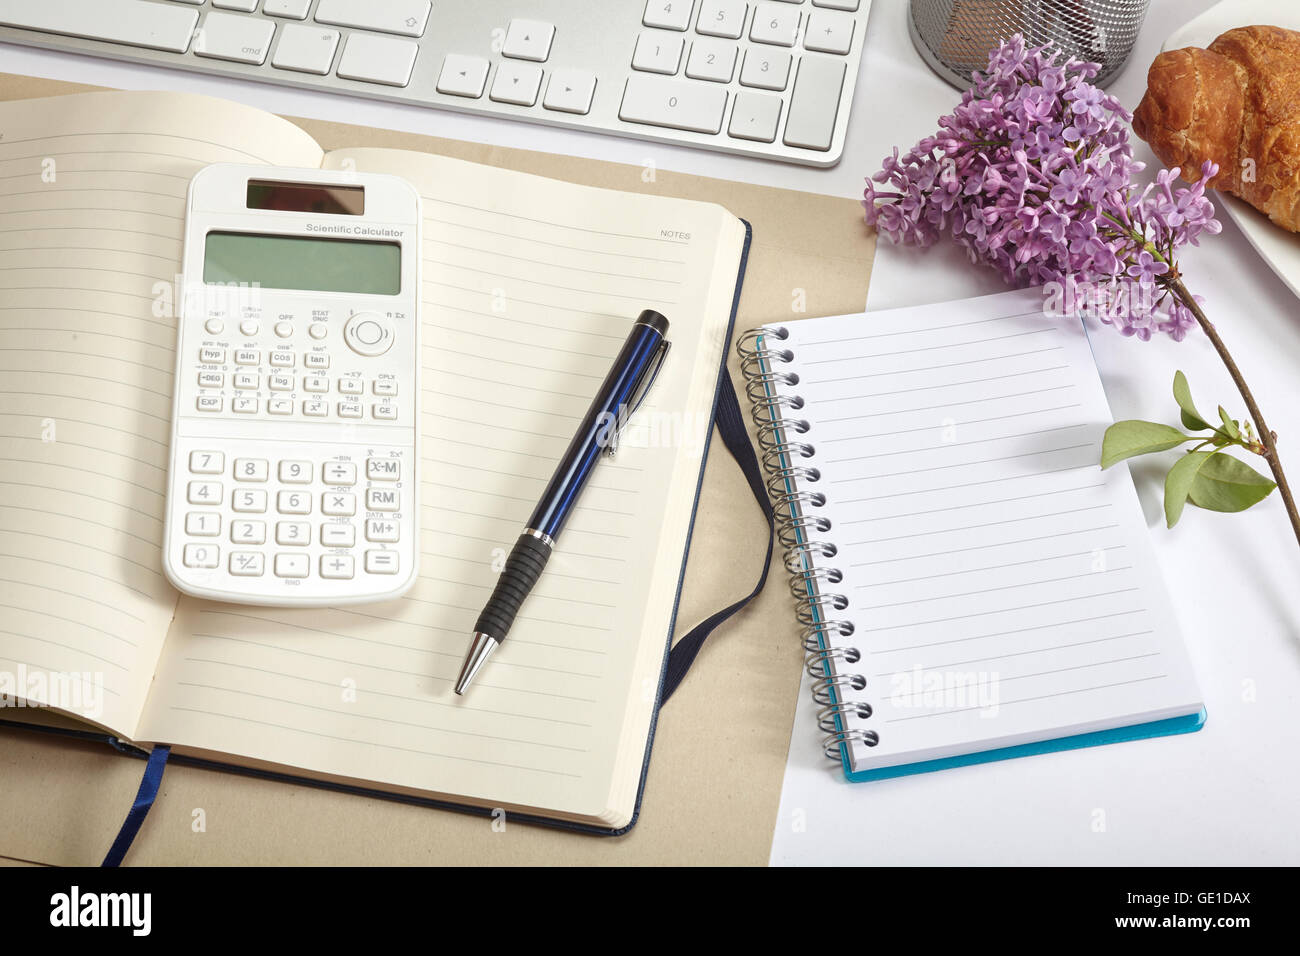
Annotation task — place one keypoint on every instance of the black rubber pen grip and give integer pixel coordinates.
(523, 568)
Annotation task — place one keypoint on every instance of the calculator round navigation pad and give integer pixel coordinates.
(294, 445)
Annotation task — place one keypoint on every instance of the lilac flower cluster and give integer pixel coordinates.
(1033, 173)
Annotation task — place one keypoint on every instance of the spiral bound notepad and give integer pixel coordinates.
(970, 584)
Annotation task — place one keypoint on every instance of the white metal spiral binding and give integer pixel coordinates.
(786, 453)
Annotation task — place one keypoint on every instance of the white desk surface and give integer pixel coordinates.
(1225, 795)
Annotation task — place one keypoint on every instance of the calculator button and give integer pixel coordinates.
(349, 410)
(292, 532)
(336, 566)
(316, 408)
(383, 469)
(280, 406)
(381, 562)
(207, 462)
(252, 469)
(247, 357)
(292, 565)
(295, 472)
(248, 532)
(385, 386)
(246, 564)
(280, 382)
(245, 380)
(203, 524)
(244, 404)
(209, 403)
(387, 413)
(338, 503)
(212, 356)
(318, 330)
(339, 473)
(293, 503)
(248, 501)
(337, 535)
(284, 329)
(214, 326)
(316, 360)
(204, 493)
(202, 555)
(381, 530)
(282, 359)
(351, 386)
(248, 327)
(316, 384)
(211, 379)
(382, 499)
(368, 333)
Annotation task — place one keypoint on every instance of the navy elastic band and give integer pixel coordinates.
(153, 774)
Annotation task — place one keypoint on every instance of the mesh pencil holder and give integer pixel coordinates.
(955, 37)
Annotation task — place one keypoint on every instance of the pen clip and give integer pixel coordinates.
(638, 394)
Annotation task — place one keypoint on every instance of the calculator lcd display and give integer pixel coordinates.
(330, 200)
(296, 262)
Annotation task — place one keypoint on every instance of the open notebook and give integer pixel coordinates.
(972, 585)
(529, 286)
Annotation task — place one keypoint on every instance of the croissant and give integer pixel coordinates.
(1237, 104)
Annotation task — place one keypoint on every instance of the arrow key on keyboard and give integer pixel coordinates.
(570, 91)
(463, 75)
(516, 83)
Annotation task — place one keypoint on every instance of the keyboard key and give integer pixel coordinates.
(339, 473)
(247, 357)
(207, 462)
(383, 469)
(244, 405)
(132, 22)
(338, 503)
(293, 503)
(829, 32)
(463, 75)
(252, 469)
(711, 60)
(245, 380)
(755, 116)
(305, 49)
(404, 17)
(204, 493)
(528, 40)
(280, 406)
(292, 9)
(292, 532)
(247, 501)
(281, 358)
(203, 524)
(668, 14)
(659, 101)
(658, 53)
(722, 18)
(203, 555)
(211, 356)
(375, 59)
(243, 6)
(247, 564)
(381, 530)
(338, 535)
(516, 83)
(292, 565)
(774, 23)
(209, 403)
(570, 91)
(381, 562)
(336, 566)
(382, 499)
(226, 36)
(248, 532)
(814, 103)
(849, 5)
(765, 69)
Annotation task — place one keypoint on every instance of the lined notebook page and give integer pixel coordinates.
(92, 192)
(1001, 587)
(530, 287)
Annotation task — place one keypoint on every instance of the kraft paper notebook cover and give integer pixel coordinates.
(92, 197)
(971, 585)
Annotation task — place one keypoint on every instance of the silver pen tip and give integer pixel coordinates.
(480, 649)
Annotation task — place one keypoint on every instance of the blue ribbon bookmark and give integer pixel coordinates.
(153, 774)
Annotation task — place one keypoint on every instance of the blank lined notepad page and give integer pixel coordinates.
(1001, 585)
(92, 202)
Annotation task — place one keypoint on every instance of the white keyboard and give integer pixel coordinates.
(773, 78)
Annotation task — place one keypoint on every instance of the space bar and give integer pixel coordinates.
(133, 22)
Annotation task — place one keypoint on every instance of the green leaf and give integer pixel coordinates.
(1183, 396)
(1129, 438)
(1228, 484)
(1178, 483)
(1229, 426)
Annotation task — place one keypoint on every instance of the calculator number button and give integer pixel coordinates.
(204, 493)
(295, 472)
(207, 462)
(248, 502)
(251, 469)
(293, 502)
(292, 532)
(248, 532)
(203, 524)
(201, 555)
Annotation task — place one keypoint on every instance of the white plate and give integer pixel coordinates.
(1279, 248)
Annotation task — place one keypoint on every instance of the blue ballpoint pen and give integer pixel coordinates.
(623, 389)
